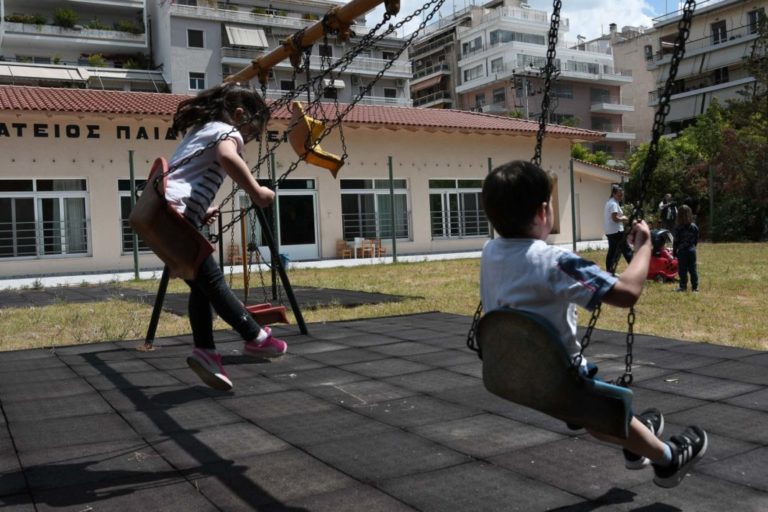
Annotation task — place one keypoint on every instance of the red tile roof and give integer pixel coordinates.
(47, 99)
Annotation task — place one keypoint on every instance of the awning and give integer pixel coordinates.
(336, 84)
(41, 72)
(426, 83)
(251, 37)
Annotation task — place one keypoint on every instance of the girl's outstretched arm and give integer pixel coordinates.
(236, 168)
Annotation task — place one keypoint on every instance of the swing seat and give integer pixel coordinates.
(303, 138)
(525, 362)
(266, 314)
(172, 238)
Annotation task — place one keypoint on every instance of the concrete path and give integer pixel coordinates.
(384, 414)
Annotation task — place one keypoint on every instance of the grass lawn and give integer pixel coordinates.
(729, 310)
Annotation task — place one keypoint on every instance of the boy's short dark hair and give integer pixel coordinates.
(512, 194)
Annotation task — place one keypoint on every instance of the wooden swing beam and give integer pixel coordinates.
(339, 19)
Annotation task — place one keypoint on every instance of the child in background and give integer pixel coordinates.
(684, 248)
(217, 123)
(520, 270)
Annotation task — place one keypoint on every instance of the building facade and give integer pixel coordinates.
(721, 39)
(499, 50)
(199, 43)
(67, 155)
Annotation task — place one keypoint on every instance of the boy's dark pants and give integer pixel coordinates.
(686, 260)
(210, 289)
(617, 242)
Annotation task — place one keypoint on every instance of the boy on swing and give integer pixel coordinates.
(520, 270)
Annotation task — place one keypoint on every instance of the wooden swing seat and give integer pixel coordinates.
(303, 136)
(525, 362)
(172, 237)
(266, 314)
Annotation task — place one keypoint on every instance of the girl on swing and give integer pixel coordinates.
(218, 123)
(520, 270)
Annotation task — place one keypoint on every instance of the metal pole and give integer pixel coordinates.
(392, 209)
(221, 242)
(490, 226)
(244, 252)
(134, 236)
(338, 16)
(573, 205)
(275, 231)
(283, 275)
(711, 200)
(156, 310)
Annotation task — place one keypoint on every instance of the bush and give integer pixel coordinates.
(64, 17)
(96, 24)
(97, 60)
(129, 26)
(32, 19)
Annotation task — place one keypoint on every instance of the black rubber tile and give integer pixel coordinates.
(363, 339)
(246, 386)
(330, 331)
(698, 386)
(148, 379)
(93, 349)
(113, 367)
(314, 347)
(760, 359)
(18, 391)
(157, 495)
(386, 367)
(60, 432)
(477, 397)
(755, 400)
(485, 435)
(432, 381)
(44, 409)
(472, 369)
(192, 416)
(413, 334)
(274, 405)
(611, 369)
(350, 499)
(711, 350)
(270, 480)
(673, 360)
(9, 356)
(737, 371)
(578, 466)
(13, 365)
(345, 356)
(750, 469)
(324, 376)
(116, 462)
(359, 394)
(226, 443)
(477, 487)
(667, 403)
(12, 479)
(386, 455)
(133, 399)
(323, 426)
(416, 410)
(17, 503)
(446, 358)
(727, 420)
(44, 375)
(697, 492)
(286, 364)
(405, 349)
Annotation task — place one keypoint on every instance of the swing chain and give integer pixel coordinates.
(472, 343)
(549, 71)
(626, 379)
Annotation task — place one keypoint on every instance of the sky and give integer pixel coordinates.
(589, 18)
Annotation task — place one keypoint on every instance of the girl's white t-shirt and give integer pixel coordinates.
(191, 188)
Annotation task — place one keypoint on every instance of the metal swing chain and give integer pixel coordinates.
(549, 71)
(651, 160)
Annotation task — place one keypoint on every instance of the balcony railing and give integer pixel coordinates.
(43, 238)
(85, 33)
(248, 17)
(382, 100)
(366, 65)
(431, 70)
(375, 225)
(737, 35)
(431, 98)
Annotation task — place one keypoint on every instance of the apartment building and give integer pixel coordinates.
(721, 40)
(95, 44)
(499, 49)
(198, 43)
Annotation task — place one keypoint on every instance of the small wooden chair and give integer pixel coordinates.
(232, 255)
(368, 249)
(343, 250)
(380, 250)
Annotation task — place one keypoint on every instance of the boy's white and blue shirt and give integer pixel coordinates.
(529, 274)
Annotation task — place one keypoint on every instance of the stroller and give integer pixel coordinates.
(663, 266)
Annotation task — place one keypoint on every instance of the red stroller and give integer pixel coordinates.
(663, 266)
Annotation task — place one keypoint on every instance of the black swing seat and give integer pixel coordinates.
(525, 362)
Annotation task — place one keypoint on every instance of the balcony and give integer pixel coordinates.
(610, 107)
(433, 99)
(702, 88)
(431, 70)
(527, 17)
(617, 134)
(738, 36)
(210, 13)
(381, 100)
(360, 65)
(56, 37)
